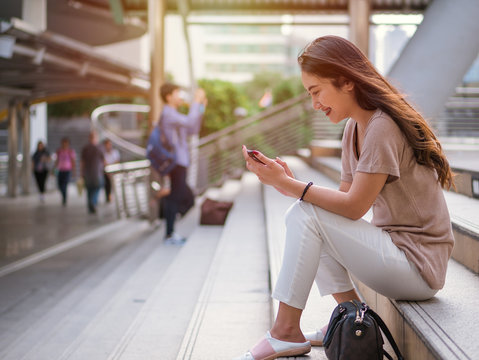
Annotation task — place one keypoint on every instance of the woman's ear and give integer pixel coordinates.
(347, 85)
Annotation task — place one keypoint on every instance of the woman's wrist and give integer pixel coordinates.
(306, 188)
(293, 187)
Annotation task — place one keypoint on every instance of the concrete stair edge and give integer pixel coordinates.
(240, 294)
(102, 333)
(157, 329)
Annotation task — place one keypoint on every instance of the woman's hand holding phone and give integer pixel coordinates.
(252, 154)
(269, 171)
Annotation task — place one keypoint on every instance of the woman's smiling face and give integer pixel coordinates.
(336, 103)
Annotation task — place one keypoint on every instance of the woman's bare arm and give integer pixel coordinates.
(352, 200)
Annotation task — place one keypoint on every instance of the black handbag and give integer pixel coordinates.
(354, 333)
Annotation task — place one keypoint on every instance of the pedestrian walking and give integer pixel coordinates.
(92, 167)
(65, 166)
(41, 167)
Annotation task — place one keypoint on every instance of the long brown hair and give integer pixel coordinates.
(338, 59)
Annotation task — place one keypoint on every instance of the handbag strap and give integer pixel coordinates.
(386, 332)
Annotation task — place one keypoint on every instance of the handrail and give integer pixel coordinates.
(117, 140)
(250, 120)
(127, 166)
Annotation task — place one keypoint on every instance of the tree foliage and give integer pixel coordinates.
(223, 98)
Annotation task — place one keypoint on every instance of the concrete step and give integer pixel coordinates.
(229, 191)
(104, 331)
(464, 213)
(434, 329)
(158, 328)
(232, 310)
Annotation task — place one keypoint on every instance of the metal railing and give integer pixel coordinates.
(131, 186)
(118, 140)
(460, 117)
(279, 130)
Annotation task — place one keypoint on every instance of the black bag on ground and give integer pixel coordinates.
(214, 212)
(354, 333)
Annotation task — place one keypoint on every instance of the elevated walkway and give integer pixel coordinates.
(126, 295)
(30, 227)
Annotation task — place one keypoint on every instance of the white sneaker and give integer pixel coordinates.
(175, 239)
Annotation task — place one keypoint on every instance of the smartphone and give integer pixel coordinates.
(253, 156)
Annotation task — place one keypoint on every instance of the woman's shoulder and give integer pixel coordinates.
(349, 127)
(382, 124)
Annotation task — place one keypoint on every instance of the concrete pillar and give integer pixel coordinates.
(193, 170)
(359, 12)
(38, 125)
(156, 29)
(26, 160)
(34, 12)
(184, 11)
(12, 149)
(437, 57)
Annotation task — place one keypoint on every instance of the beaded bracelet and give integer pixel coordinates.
(305, 190)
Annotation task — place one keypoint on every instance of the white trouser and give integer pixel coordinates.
(326, 247)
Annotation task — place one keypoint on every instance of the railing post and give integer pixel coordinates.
(12, 149)
(26, 159)
(135, 192)
(115, 179)
(123, 194)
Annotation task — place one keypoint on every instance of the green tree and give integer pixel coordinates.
(260, 83)
(223, 98)
(287, 89)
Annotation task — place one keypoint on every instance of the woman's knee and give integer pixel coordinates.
(297, 213)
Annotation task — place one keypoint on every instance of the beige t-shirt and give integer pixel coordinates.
(411, 205)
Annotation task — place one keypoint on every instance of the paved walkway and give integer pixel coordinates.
(29, 225)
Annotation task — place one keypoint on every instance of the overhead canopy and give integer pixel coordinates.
(276, 6)
(47, 66)
(43, 66)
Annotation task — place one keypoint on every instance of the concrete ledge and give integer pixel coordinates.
(463, 181)
(325, 148)
(439, 328)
